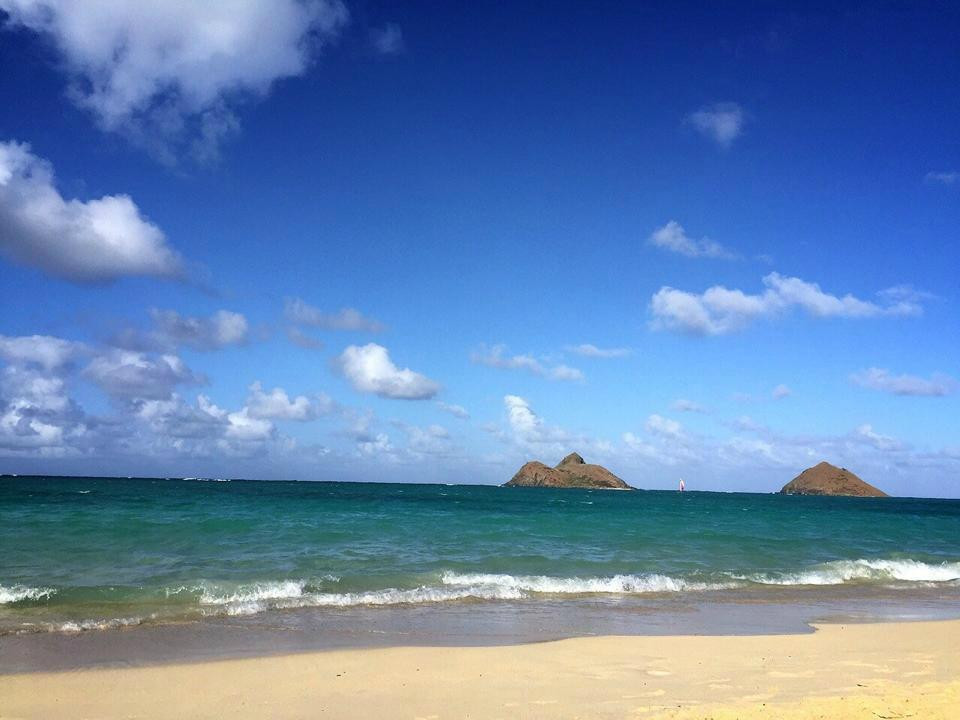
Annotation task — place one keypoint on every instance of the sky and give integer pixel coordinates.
(324, 240)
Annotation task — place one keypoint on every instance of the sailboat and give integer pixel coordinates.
(683, 485)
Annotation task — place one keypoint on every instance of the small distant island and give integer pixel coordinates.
(571, 472)
(827, 479)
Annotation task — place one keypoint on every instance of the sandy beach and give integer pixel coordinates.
(890, 670)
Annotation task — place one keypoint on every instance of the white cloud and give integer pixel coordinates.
(865, 433)
(722, 122)
(674, 238)
(943, 177)
(36, 414)
(432, 440)
(243, 426)
(370, 370)
(523, 421)
(387, 40)
(659, 425)
(719, 310)
(93, 241)
(43, 350)
(166, 74)
(128, 375)
(530, 433)
(377, 445)
(277, 405)
(682, 405)
(496, 357)
(301, 313)
(458, 411)
(780, 391)
(938, 385)
(592, 351)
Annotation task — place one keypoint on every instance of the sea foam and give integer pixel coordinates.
(20, 593)
(622, 584)
(839, 572)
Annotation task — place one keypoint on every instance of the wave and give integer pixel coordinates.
(21, 593)
(85, 625)
(839, 572)
(620, 584)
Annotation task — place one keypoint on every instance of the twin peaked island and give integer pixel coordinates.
(574, 472)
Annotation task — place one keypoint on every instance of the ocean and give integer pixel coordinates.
(81, 555)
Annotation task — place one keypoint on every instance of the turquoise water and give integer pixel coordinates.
(86, 553)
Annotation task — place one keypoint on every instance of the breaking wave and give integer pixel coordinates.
(620, 584)
(21, 593)
(839, 572)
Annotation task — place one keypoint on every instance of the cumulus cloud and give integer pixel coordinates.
(720, 310)
(277, 405)
(780, 391)
(938, 385)
(36, 414)
(387, 40)
(44, 351)
(301, 313)
(168, 75)
(126, 374)
(592, 351)
(496, 357)
(721, 122)
(458, 411)
(370, 370)
(674, 238)
(943, 177)
(93, 241)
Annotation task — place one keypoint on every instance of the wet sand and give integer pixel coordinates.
(887, 670)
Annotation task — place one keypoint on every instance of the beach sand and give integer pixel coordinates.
(887, 671)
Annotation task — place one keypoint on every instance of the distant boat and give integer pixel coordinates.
(683, 485)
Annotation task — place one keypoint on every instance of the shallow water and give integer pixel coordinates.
(94, 553)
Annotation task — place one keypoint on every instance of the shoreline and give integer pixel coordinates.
(462, 624)
(843, 670)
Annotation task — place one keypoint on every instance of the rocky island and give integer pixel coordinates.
(827, 479)
(572, 472)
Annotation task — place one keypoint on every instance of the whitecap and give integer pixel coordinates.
(839, 572)
(619, 584)
(19, 593)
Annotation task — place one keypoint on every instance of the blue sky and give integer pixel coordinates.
(324, 240)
